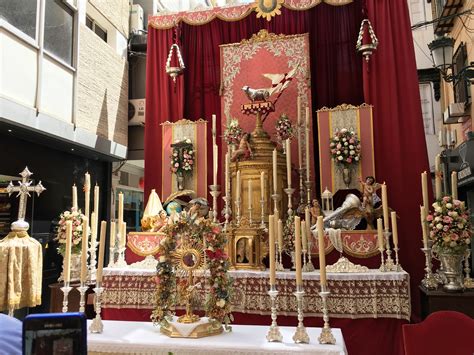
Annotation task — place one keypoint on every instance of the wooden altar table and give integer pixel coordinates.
(371, 294)
(120, 337)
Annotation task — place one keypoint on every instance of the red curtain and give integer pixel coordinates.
(391, 85)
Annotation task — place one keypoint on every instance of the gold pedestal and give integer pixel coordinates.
(201, 331)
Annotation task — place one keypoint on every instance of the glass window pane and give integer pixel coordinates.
(58, 30)
(101, 33)
(21, 14)
(89, 22)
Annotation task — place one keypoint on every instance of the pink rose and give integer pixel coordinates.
(351, 141)
(176, 164)
(429, 218)
(447, 219)
(445, 228)
(349, 160)
(446, 198)
(454, 236)
(339, 146)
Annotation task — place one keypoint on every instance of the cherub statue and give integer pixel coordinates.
(315, 211)
(154, 223)
(245, 150)
(369, 196)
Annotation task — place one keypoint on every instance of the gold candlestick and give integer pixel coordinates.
(389, 264)
(262, 216)
(97, 326)
(274, 334)
(308, 192)
(468, 281)
(302, 205)
(227, 211)
(300, 336)
(66, 289)
(382, 259)
(326, 336)
(429, 281)
(276, 198)
(397, 263)
(289, 191)
(82, 302)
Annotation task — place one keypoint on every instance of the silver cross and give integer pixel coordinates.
(24, 187)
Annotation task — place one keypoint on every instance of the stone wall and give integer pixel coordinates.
(116, 11)
(102, 91)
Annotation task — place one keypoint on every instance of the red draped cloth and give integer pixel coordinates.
(338, 75)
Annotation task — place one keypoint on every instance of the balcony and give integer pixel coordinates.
(442, 9)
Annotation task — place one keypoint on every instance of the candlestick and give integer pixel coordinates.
(97, 326)
(121, 263)
(82, 300)
(271, 248)
(100, 266)
(468, 281)
(393, 215)
(454, 185)
(84, 244)
(274, 334)
(67, 253)
(74, 197)
(279, 265)
(215, 192)
(289, 191)
(65, 289)
(87, 191)
(302, 205)
(438, 187)
(112, 247)
(322, 251)
(309, 263)
(276, 198)
(262, 215)
(389, 264)
(326, 336)
(288, 162)
(385, 206)
(227, 211)
(304, 244)
(299, 275)
(275, 171)
(300, 336)
(308, 192)
(380, 241)
(424, 188)
(307, 133)
(429, 281)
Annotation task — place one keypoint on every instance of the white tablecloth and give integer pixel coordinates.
(121, 337)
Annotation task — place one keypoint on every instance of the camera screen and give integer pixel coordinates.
(53, 342)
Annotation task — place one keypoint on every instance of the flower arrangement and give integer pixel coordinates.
(289, 233)
(345, 147)
(233, 133)
(198, 231)
(284, 128)
(182, 157)
(76, 217)
(449, 224)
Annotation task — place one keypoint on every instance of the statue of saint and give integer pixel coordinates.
(244, 151)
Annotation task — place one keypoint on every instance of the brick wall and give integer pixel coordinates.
(116, 11)
(102, 91)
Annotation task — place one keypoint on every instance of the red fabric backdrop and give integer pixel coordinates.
(338, 75)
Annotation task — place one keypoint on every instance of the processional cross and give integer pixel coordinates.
(24, 187)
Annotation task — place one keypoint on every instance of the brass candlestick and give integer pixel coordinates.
(429, 281)
(82, 302)
(237, 209)
(262, 215)
(276, 198)
(215, 194)
(274, 334)
(97, 326)
(468, 281)
(66, 289)
(227, 211)
(389, 264)
(302, 205)
(289, 191)
(301, 336)
(308, 192)
(326, 336)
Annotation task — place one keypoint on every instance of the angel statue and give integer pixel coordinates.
(245, 150)
(369, 195)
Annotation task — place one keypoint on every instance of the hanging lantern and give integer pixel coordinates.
(173, 72)
(367, 48)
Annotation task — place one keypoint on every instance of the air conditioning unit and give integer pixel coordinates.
(136, 112)
(136, 18)
(455, 113)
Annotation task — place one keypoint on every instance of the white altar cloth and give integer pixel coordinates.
(121, 337)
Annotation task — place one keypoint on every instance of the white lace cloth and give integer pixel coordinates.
(121, 337)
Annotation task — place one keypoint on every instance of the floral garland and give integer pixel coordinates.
(76, 217)
(449, 224)
(218, 305)
(182, 158)
(345, 147)
(233, 133)
(284, 128)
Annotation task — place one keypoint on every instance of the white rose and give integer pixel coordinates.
(343, 139)
(338, 152)
(344, 130)
(437, 219)
(162, 258)
(438, 209)
(460, 225)
(435, 204)
(454, 214)
(346, 144)
(356, 158)
(351, 147)
(439, 226)
(449, 205)
(339, 157)
(336, 139)
(352, 152)
(220, 303)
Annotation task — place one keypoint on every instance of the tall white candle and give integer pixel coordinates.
(322, 251)
(250, 192)
(271, 248)
(280, 235)
(93, 229)
(454, 185)
(67, 252)
(227, 174)
(100, 265)
(87, 194)
(299, 275)
(237, 186)
(423, 226)
(112, 236)
(84, 247)
(304, 242)
(96, 200)
(307, 217)
(298, 130)
(393, 215)
(380, 234)
(385, 206)
(123, 241)
(438, 186)
(215, 157)
(120, 207)
(307, 135)
(424, 188)
(288, 161)
(262, 185)
(74, 197)
(275, 171)
(214, 130)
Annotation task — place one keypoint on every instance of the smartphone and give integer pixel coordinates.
(55, 334)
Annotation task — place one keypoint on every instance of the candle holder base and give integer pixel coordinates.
(326, 337)
(66, 289)
(429, 281)
(121, 263)
(274, 334)
(300, 336)
(97, 326)
(390, 265)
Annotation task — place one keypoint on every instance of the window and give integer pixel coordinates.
(426, 98)
(461, 87)
(99, 31)
(58, 30)
(21, 14)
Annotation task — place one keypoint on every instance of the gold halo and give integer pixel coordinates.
(267, 8)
